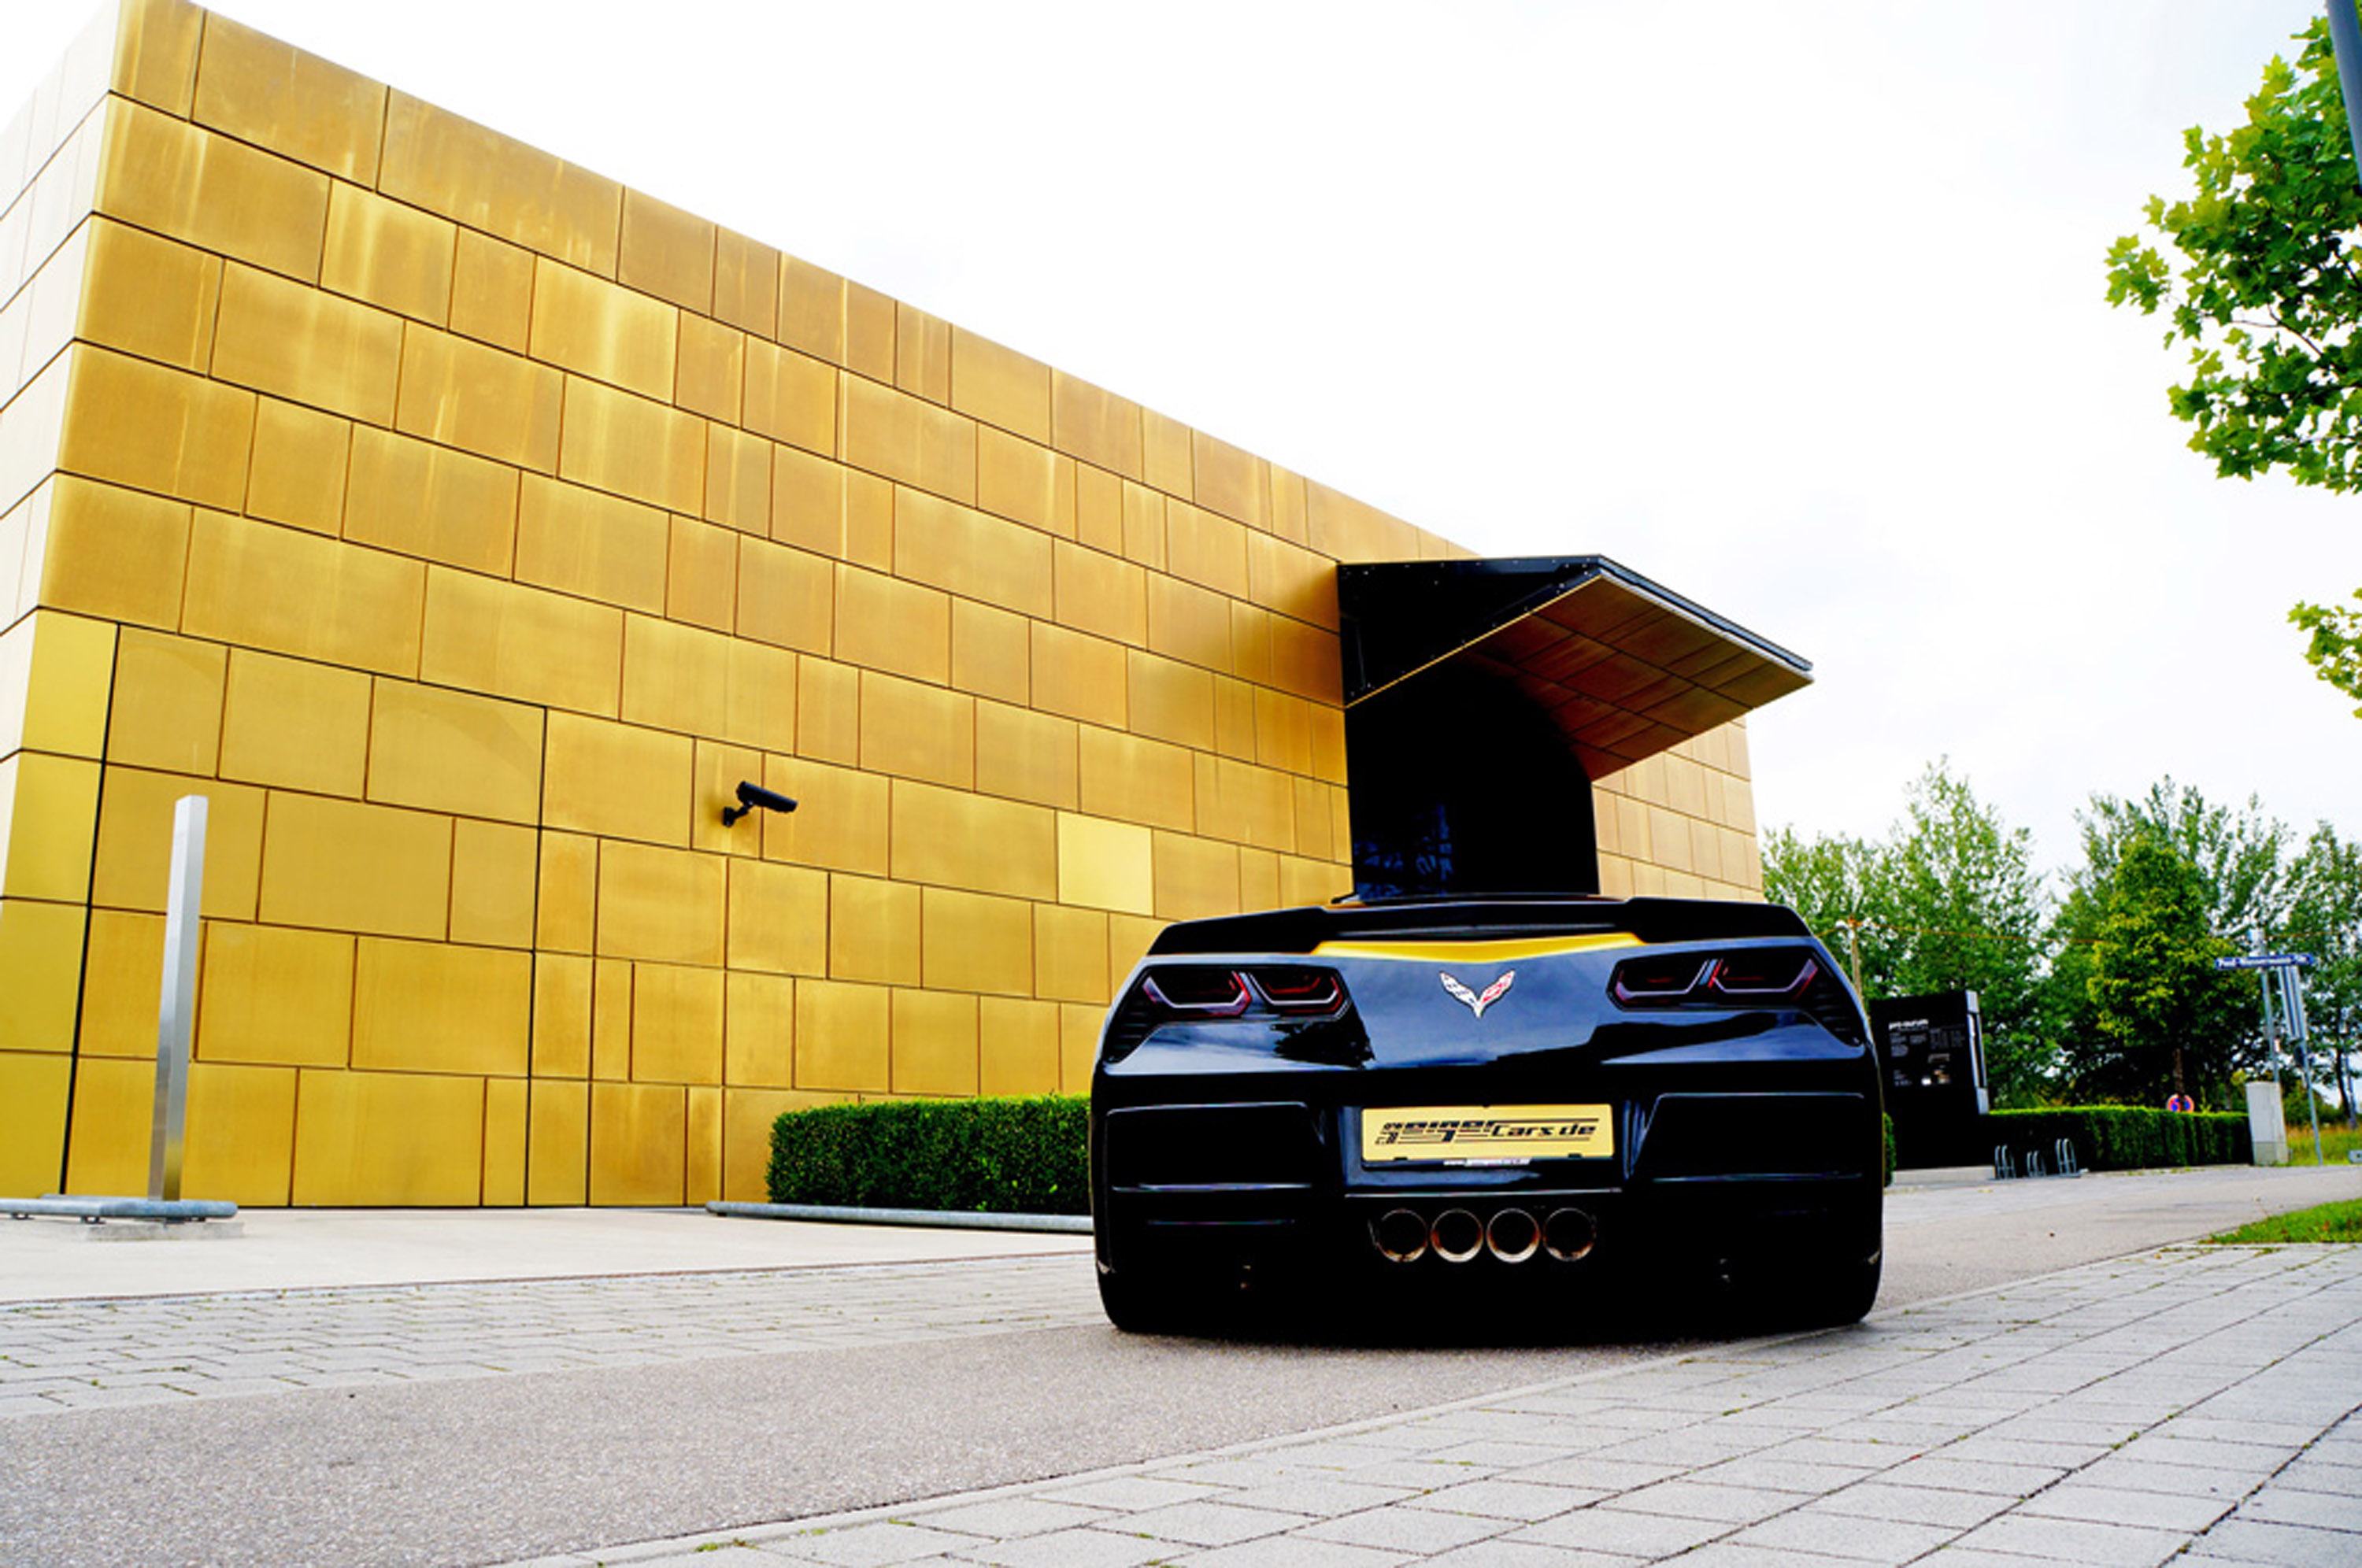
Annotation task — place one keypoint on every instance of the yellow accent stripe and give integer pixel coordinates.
(1475, 952)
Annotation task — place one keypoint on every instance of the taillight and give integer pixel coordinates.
(1206, 993)
(1300, 990)
(1744, 977)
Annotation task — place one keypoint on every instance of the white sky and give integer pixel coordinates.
(1793, 308)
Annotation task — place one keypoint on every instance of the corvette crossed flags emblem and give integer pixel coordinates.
(1476, 1003)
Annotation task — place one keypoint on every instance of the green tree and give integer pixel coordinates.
(2170, 1016)
(2265, 298)
(2325, 920)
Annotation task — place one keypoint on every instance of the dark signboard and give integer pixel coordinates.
(1932, 1050)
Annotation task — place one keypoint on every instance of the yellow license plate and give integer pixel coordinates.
(1487, 1135)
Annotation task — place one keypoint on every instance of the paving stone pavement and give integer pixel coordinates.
(74, 1354)
(2194, 1403)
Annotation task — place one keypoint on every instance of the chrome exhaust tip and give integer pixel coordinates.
(1569, 1234)
(1513, 1236)
(1457, 1235)
(1400, 1236)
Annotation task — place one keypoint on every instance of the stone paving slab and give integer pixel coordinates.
(58, 1356)
(2201, 1405)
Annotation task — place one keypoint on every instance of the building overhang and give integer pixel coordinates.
(1624, 669)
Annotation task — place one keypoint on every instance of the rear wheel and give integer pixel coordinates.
(1144, 1304)
(1843, 1293)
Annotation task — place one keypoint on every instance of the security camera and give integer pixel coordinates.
(751, 796)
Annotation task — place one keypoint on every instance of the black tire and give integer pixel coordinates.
(1143, 1304)
(1843, 1292)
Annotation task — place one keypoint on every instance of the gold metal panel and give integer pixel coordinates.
(1250, 643)
(842, 1035)
(483, 180)
(612, 441)
(296, 593)
(156, 429)
(1228, 481)
(1195, 877)
(639, 1144)
(912, 442)
(33, 1090)
(1282, 732)
(273, 995)
(584, 543)
(491, 292)
(617, 780)
(301, 458)
(1258, 879)
(1345, 529)
(1292, 581)
(1017, 479)
(1070, 954)
(746, 284)
(1099, 508)
(509, 640)
(991, 651)
(167, 705)
(460, 393)
(1128, 940)
(719, 769)
(1315, 828)
(565, 897)
(710, 369)
(747, 1118)
(1100, 593)
(972, 941)
(558, 1144)
(663, 905)
(915, 730)
(611, 1019)
(935, 1044)
(808, 497)
(972, 554)
(394, 256)
(505, 1141)
(434, 1007)
(1078, 1044)
(41, 966)
(1017, 1046)
(1303, 881)
(241, 1138)
(701, 576)
(999, 386)
(1025, 755)
(1170, 701)
(148, 296)
(426, 501)
(868, 521)
(873, 931)
(1306, 660)
(47, 805)
(113, 1105)
(842, 823)
(561, 1016)
(1135, 780)
(811, 310)
(135, 839)
(1096, 426)
(1143, 525)
(452, 751)
(1187, 623)
(215, 193)
(1234, 718)
(791, 397)
(786, 597)
(677, 677)
(705, 1174)
(345, 866)
(273, 95)
(408, 1140)
(738, 480)
(607, 333)
(294, 723)
(155, 54)
(1078, 676)
(828, 710)
(666, 252)
(676, 1025)
(1165, 457)
(778, 919)
(923, 354)
(491, 884)
(953, 838)
(883, 622)
(1106, 865)
(1245, 804)
(869, 322)
(55, 672)
(1327, 727)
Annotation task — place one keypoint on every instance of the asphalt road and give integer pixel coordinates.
(496, 1468)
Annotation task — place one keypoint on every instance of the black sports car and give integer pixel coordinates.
(1524, 1095)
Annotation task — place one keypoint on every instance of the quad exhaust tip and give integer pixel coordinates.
(1459, 1235)
(1570, 1234)
(1400, 1235)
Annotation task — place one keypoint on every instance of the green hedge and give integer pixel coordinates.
(2123, 1137)
(1008, 1156)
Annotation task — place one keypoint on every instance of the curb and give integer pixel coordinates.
(934, 1218)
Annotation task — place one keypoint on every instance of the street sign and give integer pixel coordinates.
(2267, 961)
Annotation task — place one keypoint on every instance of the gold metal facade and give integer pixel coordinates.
(465, 527)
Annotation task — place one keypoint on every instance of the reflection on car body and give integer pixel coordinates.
(1531, 1096)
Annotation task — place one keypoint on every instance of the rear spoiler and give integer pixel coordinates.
(1489, 917)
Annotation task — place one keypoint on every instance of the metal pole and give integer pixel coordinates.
(2345, 45)
(2304, 1044)
(177, 1013)
(1853, 948)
